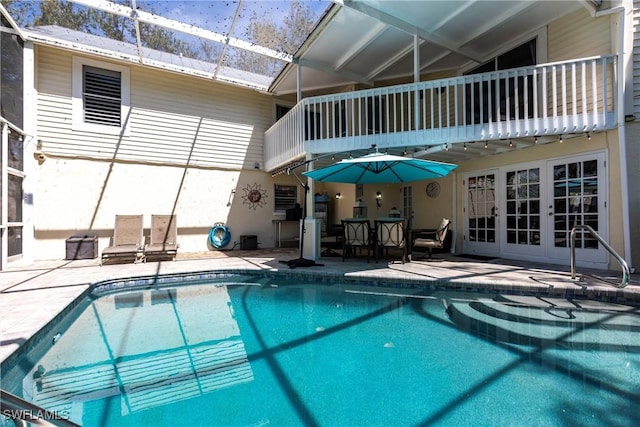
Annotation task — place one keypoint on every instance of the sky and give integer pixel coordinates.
(213, 15)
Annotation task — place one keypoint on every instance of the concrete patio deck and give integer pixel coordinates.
(31, 296)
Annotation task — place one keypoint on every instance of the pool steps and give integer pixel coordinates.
(533, 321)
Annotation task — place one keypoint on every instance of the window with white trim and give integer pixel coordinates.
(100, 96)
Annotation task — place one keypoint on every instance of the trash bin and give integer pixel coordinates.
(82, 247)
(249, 242)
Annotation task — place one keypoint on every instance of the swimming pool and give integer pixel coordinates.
(249, 350)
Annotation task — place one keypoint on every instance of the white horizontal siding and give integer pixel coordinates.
(174, 119)
(578, 35)
(636, 58)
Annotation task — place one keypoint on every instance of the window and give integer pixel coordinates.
(100, 96)
(286, 196)
(482, 98)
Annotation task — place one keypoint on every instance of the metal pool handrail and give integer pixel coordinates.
(625, 268)
(24, 413)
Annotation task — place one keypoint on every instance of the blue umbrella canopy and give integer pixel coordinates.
(379, 168)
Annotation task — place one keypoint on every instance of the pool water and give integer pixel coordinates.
(282, 354)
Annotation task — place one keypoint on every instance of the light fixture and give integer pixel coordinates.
(446, 147)
(378, 197)
(338, 195)
(588, 136)
(561, 139)
(510, 143)
(404, 153)
(486, 144)
(333, 157)
(535, 140)
(465, 146)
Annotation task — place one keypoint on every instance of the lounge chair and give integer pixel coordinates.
(357, 234)
(431, 239)
(164, 237)
(391, 233)
(128, 240)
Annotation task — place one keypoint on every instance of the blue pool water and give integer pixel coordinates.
(268, 352)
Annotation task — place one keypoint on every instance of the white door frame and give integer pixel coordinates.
(481, 212)
(546, 251)
(589, 208)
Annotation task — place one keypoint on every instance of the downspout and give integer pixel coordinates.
(622, 134)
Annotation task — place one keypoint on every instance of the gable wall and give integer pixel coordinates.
(578, 35)
(172, 117)
(191, 150)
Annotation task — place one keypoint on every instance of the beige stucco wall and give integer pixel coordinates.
(82, 197)
(191, 150)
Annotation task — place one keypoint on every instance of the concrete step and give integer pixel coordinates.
(541, 323)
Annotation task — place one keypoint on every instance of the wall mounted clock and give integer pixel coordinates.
(433, 189)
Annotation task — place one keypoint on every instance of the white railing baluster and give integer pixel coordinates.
(531, 101)
(402, 115)
(583, 94)
(554, 91)
(574, 104)
(564, 96)
(605, 92)
(594, 94)
(536, 96)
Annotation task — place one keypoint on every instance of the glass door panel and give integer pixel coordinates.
(481, 234)
(523, 227)
(578, 200)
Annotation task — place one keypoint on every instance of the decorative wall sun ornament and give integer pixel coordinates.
(254, 196)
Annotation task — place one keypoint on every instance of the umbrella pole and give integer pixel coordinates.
(301, 261)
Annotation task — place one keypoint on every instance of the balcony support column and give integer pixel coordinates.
(309, 225)
(299, 82)
(416, 58)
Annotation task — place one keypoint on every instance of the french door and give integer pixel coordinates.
(523, 225)
(481, 233)
(577, 197)
(527, 211)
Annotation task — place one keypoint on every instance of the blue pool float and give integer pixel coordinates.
(219, 235)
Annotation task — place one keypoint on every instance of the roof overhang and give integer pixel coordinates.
(369, 41)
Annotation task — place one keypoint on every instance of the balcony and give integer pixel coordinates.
(523, 104)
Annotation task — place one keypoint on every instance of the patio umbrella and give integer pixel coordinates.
(379, 168)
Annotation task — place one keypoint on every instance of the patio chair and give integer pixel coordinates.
(357, 234)
(391, 233)
(128, 240)
(164, 237)
(431, 239)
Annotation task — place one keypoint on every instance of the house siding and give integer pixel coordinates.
(174, 119)
(636, 58)
(191, 150)
(578, 35)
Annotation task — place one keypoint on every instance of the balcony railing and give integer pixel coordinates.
(549, 99)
